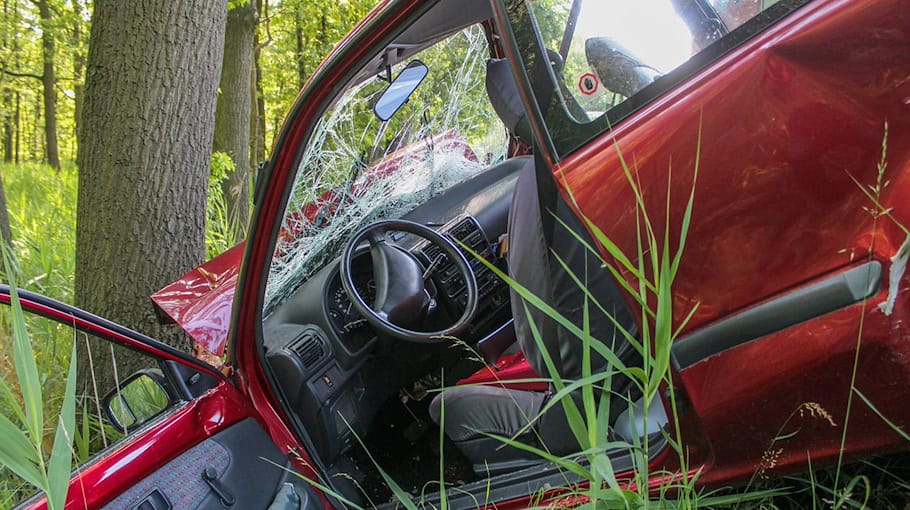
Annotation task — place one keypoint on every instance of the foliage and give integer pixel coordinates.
(297, 35)
(42, 209)
(21, 62)
(220, 228)
(22, 445)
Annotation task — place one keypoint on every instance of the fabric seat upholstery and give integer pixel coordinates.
(537, 243)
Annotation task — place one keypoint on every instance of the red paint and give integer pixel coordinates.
(511, 371)
(201, 300)
(138, 455)
(785, 120)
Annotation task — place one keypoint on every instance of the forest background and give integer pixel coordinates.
(99, 107)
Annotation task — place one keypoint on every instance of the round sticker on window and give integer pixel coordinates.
(588, 84)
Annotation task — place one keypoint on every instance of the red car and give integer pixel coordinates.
(445, 142)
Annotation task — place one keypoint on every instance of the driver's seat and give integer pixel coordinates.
(536, 239)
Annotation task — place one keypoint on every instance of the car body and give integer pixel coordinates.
(797, 273)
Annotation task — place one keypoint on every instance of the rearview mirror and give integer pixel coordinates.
(400, 89)
(137, 400)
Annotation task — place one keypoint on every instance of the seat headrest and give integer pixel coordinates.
(503, 93)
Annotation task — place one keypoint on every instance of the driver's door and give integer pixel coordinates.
(155, 429)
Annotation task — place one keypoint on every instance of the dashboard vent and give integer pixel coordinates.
(309, 348)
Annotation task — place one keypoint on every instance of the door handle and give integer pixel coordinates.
(154, 501)
(210, 476)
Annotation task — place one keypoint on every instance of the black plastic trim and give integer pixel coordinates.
(801, 305)
(542, 477)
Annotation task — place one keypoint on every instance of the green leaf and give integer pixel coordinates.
(7, 394)
(18, 453)
(58, 469)
(26, 368)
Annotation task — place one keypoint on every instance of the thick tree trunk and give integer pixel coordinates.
(49, 84)
(144, 158)
(232, 117)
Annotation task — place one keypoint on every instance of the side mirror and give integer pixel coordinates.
(137, 400)
(400, 89)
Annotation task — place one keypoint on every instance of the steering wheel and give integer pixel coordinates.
(401, 294)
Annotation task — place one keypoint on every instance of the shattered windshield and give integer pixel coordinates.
(357, 169)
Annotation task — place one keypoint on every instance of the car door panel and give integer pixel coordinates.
(248, 471)
(211, 424)
(788, 124)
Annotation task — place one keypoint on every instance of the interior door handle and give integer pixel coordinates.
(210, 476)
(154, 501)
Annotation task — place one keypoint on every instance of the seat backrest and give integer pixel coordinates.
(504, 96)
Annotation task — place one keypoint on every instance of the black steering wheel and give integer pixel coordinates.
(402, 298)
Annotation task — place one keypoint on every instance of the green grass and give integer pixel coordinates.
(42, 207)
(42, 210)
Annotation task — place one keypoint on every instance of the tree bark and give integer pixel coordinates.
(9, 109)
(144, 158)
(300, 55)
(49, 84)
(232, 117)
(78, 67)
(5, 236)
(257, 121)
(8, 106)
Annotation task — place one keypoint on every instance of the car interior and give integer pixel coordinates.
(377, 344)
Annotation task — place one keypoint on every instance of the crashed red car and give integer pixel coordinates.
(504, 127)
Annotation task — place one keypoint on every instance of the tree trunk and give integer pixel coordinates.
(8, 106)
(257, 122)
(18, 127)
(232, 117)
(49, 83)
(299, 55)
(78, 67)
(9, 110)
(144, 158)
(5, 235)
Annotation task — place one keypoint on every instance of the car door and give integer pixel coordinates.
(155, 429)
(795, 115)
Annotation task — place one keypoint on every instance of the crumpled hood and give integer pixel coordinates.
(200, 301)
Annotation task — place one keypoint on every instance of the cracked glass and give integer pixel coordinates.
(357, 169)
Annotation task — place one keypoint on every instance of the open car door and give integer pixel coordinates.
(794, 114)
(155, 429)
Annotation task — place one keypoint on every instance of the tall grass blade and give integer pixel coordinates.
(18, 453)
(26, 368)
(58, 469)
(884, 418)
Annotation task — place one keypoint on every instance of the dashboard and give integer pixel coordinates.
(328, 361)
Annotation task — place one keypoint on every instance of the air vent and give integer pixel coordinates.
(309, 348)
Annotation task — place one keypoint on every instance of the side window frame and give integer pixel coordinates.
(182, 381)
(563, 135)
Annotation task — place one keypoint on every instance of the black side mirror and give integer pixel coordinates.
(137, 400)
(400, 89)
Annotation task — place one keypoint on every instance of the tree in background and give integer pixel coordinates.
(5, 236)
(234, 111)
(144, 156)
